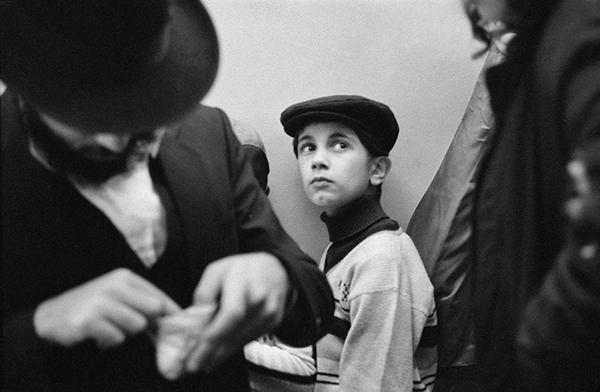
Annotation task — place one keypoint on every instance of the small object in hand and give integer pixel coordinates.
(177, 335)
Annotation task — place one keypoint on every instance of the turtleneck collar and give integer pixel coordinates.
(354, 217)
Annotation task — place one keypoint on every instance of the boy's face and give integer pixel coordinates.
(334, 165)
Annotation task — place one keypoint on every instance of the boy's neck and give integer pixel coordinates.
(353, 217)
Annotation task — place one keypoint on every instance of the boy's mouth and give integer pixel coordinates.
(320, 180)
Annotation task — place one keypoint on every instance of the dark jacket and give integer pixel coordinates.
(546, 98)
(53, 240)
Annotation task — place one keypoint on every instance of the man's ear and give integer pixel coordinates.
(380, 167)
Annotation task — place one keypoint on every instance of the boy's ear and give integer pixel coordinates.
(380, 167)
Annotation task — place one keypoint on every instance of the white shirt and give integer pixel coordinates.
(131, 203)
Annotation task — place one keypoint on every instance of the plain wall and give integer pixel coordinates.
(414, 55)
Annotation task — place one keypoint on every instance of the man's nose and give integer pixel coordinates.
(111, 141)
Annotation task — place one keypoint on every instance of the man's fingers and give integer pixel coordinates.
(237, 321)
(151, 300)
(219, 332)
(127, 319)
(150, 306)
(215, 349)
(105, 334)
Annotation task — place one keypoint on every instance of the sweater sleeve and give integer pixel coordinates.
(275, 366)
(270, 353)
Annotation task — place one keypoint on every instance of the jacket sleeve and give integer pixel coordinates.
(310, 309)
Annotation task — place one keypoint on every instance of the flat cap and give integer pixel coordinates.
(373, 122)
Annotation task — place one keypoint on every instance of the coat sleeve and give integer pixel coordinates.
(310, 309)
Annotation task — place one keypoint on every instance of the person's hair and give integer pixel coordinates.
(295, 144)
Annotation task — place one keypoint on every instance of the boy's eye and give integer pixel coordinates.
(339, 145)
(306, 148)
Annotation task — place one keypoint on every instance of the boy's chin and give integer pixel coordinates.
(322, 201)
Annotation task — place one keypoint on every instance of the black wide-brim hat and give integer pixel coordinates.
(79, 61)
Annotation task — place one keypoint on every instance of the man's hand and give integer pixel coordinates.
(107, 309)
(250, 291)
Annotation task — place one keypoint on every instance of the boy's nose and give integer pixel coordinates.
(319, 162)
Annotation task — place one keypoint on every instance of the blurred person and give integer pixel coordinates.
(558, 346)
(129, 211)
(546, 100)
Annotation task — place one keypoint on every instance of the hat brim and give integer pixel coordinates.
(166, 93)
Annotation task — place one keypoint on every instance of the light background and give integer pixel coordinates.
(413, 55)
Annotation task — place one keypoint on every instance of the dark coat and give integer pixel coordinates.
(53, 240)
(546, 98)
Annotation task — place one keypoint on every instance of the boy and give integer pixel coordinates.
(384, 300)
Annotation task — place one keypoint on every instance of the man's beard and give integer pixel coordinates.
(74, 163)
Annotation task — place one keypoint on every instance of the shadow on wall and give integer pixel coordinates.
(414, 55)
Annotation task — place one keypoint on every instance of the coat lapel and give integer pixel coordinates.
(186, 178)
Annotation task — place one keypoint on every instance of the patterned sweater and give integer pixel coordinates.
(384, 303)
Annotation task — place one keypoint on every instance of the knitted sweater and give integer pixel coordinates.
(384, 300)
